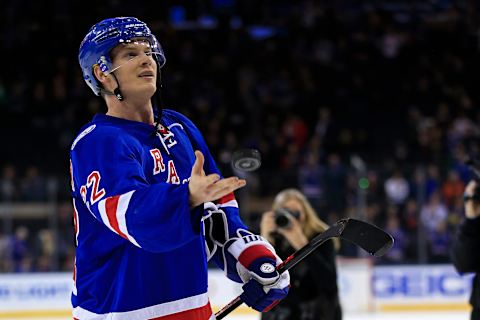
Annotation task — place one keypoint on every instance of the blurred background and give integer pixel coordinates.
(369, 107)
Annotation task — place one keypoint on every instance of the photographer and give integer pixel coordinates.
(466, 245)
(290, 225)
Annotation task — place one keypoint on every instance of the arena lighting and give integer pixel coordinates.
(363, 183)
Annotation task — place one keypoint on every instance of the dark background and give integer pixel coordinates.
(313, 85)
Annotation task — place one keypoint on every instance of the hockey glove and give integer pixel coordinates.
(215, 228)
(256, 263)
(264, 297)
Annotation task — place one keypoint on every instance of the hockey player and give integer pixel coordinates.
(150, 205)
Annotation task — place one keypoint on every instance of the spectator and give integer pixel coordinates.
(439, 242)
(33, 186)
(314, 292)
(466, 245)
(432, 182)
(397, 253)
(21, 255)
(9, 184)
(310, 180)
(434, 214)
(397, 188)
(335, 183)
(452, 188)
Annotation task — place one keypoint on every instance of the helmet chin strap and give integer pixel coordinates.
(116, 92)
(156, 102)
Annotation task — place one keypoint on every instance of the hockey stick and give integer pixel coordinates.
(367, 236)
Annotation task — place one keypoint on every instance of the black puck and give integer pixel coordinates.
(246, 159)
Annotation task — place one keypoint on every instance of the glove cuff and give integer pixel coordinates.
(257, 255)
(239, 247)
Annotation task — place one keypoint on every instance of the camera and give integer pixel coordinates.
(283, 217)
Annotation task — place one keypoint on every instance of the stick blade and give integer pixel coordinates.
(367, 236)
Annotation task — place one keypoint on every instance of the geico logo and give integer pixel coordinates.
(34, 292)
(417, 284)
(4, 291)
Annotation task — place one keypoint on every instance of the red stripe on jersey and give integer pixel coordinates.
(254, 252)
(75, 272)
(225, 199)
(75, 221)
(203, 313)
(111, 205)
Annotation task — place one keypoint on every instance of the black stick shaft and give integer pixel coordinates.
(291, 261)
(303, 252)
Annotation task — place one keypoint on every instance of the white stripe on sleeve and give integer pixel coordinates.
(122, 207)
(103, 214)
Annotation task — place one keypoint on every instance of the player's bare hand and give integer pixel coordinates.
(472, 207)
(204, 188)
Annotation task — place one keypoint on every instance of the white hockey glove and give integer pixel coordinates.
(256, 265)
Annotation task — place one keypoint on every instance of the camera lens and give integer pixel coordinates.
(282, 218)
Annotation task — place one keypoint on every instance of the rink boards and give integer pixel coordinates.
(363, 288)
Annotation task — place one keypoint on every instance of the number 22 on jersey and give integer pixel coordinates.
(93, 182)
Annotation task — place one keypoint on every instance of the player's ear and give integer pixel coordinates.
(99, 74)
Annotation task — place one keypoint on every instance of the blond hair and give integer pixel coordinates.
(312, 224)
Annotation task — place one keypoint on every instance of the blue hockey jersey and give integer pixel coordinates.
(140, 249)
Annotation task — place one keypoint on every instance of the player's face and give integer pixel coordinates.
(136, 69)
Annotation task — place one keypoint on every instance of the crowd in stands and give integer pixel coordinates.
(370, 110)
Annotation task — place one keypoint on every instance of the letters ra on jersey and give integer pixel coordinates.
(163, 164)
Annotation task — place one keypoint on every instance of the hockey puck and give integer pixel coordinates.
(246, 159)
